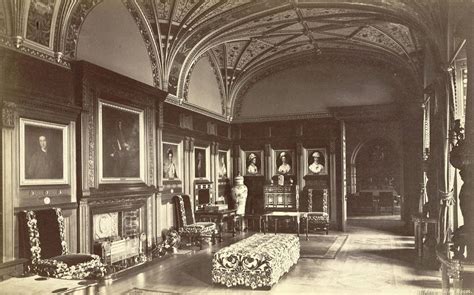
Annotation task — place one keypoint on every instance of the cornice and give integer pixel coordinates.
(51, 57)
(174, 100)
(288, 117)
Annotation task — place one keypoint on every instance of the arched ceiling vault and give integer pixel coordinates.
(241, 37)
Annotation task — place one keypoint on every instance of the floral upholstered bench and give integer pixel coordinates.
(258, 261)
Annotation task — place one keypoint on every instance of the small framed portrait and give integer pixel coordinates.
(223, 165)
(253, 163)
(171, 161)
(44, 153)
(284, 160)
(200, 162)
(317, 163)
(121, 143)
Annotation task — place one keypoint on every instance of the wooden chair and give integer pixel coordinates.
(315, 202)
(195, 232)
(42, 241)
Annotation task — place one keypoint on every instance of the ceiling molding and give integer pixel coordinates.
(366, 112)
(288, 117)
(174, 100)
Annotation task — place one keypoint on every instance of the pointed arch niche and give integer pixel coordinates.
(110, 38)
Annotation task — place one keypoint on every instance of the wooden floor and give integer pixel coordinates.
(377, 257)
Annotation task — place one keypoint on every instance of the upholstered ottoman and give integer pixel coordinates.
(258, 261)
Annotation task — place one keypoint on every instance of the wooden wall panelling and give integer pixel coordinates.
(29, 77)
(9, 184)
(94, 84)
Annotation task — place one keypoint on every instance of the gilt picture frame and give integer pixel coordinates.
(121, 143)
(45, 150)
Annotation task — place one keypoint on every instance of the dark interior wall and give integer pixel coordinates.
(26, 78)
(182, 126)
(316, 86)
(361, 133)
(280, 135)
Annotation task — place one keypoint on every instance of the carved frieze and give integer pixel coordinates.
(9, 114)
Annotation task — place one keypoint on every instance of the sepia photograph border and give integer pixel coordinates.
(141, 122)
(66, 148)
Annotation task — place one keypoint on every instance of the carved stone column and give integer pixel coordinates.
(9, 179)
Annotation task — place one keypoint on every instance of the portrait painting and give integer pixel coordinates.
(44, 153)
(317, 162)
(222, 166)
(171, 161)
(284, 160)
(254, 163)
(121, 137)
(200, 165)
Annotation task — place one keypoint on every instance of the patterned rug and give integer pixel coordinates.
(321, 246)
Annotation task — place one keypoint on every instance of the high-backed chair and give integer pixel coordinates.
(42, 241)
(315, 202)
(187, 226)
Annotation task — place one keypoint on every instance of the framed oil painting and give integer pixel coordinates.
(253, 163)
(171, 161)
(121, 143)
(317, 162)
(200, 162)
(44, 153)
(284, 162)
(223, 165)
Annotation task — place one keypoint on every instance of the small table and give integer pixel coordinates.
(285, 214)
(218, 217)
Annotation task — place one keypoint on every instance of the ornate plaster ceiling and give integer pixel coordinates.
(242, 37)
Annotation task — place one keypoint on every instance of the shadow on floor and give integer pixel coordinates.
(384, 224)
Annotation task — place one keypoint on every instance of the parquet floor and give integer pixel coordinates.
(377, 258)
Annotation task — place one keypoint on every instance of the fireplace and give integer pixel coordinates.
(118, 230)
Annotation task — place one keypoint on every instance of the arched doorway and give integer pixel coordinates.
(375, 178)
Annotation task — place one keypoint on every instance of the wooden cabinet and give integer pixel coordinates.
(280, 197)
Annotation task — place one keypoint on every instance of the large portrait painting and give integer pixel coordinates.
(223, 165)
(317, 163)
(171, 161)
(284, 160)
(44, 150)
(253, 163)
(200, 164)
(121, 143)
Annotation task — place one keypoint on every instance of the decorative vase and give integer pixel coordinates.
(239, 194)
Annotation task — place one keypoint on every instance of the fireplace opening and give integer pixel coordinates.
(119, 238)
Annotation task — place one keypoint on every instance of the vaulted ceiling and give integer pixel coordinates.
(242, 38)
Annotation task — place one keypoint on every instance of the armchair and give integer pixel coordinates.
(315, 202)
(42, 241)
(199, 232)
